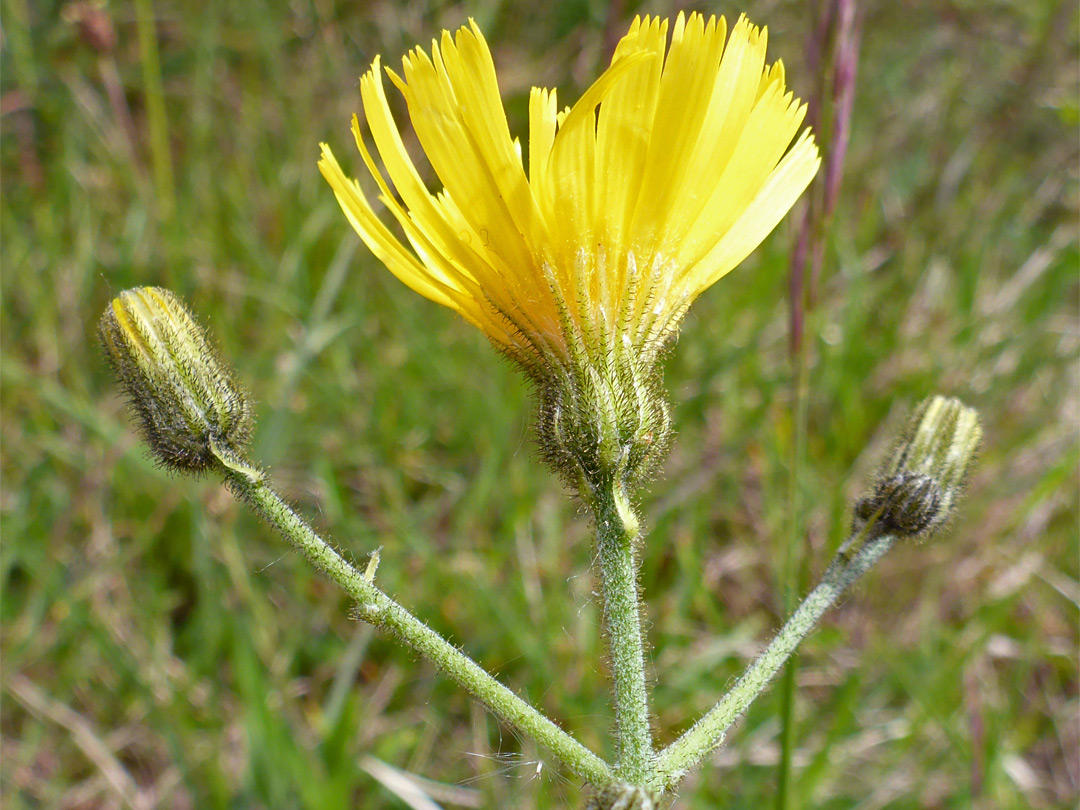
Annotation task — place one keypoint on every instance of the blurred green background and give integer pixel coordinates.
(162, 649)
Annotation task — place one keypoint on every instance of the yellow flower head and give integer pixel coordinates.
(664, 175)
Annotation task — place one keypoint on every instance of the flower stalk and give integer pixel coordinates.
(918, 486)
(378, 609)
(617, 533)
(855, 557)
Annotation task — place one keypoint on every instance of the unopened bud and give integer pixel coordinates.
(922, 480)
(189, 405)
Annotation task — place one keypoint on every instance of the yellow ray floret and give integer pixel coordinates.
(668, 171)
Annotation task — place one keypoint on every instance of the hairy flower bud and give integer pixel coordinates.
(188, 402)
(921, 481)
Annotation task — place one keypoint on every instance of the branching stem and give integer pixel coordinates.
(377, 608)
(854, 559)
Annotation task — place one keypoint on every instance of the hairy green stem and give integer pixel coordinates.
(854, 559)
(377, 608)
(616, 534)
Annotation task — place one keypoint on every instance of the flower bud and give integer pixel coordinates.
(188, 403)
(922, 480)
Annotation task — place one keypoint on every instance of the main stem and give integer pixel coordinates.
(853, 560)
(616, 534)
(377, 608)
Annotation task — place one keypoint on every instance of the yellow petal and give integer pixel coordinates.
(543, 120)
(690, 73)
(731, 99)
(378, 237)
(481, 183)
(567, 197)
(766, 135)
(471, 74)
(422, 206)
(757, 221)
(771, 75)
(667, 172)
(624, 130)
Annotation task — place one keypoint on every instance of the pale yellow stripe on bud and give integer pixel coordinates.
(186, 399)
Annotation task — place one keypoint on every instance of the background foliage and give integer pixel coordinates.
(162, 649)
